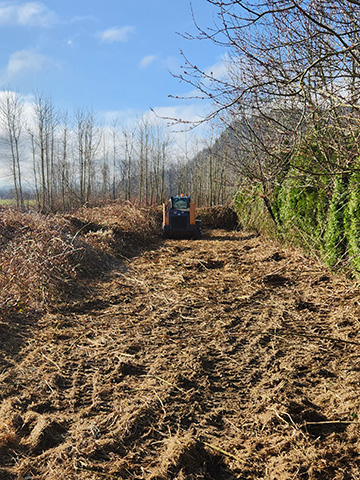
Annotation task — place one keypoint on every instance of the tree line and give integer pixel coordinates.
(71, 162)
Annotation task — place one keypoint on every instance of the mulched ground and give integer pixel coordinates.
(227, 357)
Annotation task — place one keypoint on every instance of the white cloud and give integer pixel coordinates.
(27, 107)
(190, 113)
(116, 34)
(124, 118)
(181, 116)
(146, 61)
(181, 138)
(185, 142)
(25, 61)
(220, 69)
(27, 14)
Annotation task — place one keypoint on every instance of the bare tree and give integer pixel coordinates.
(128, 163)
(11, 114)
(88, 142)
(43, 141)
(115, 160)
(64, 164)
(160, 143)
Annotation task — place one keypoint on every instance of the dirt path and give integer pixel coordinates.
(223, 358)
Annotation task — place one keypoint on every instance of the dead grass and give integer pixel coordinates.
(138, 224)
(227, 357)
(43, 258)
(37, 258)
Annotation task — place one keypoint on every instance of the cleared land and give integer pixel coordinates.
(228, 357)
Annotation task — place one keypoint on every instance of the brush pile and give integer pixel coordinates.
(220, 216)
(38, 258)
(118, 227)
(43, 258)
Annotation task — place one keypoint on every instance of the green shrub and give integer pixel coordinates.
(251, 210)
(334, 238)
(300, 212)
(352, 221)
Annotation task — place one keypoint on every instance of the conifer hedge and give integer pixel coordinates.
(318, 213)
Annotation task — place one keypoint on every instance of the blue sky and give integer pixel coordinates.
(111, 56)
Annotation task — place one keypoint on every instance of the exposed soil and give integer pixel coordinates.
(227, 357)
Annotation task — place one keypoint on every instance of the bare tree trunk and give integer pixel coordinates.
(11, 112)
(88, 141)
(45, 119)
(129, 145)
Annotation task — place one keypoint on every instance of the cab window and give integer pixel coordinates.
(180, 203)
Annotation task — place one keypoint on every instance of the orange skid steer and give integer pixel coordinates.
(179, 219)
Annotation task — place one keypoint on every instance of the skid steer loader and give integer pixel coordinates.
(179, 219)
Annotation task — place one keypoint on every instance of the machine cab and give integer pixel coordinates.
(179, 218)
